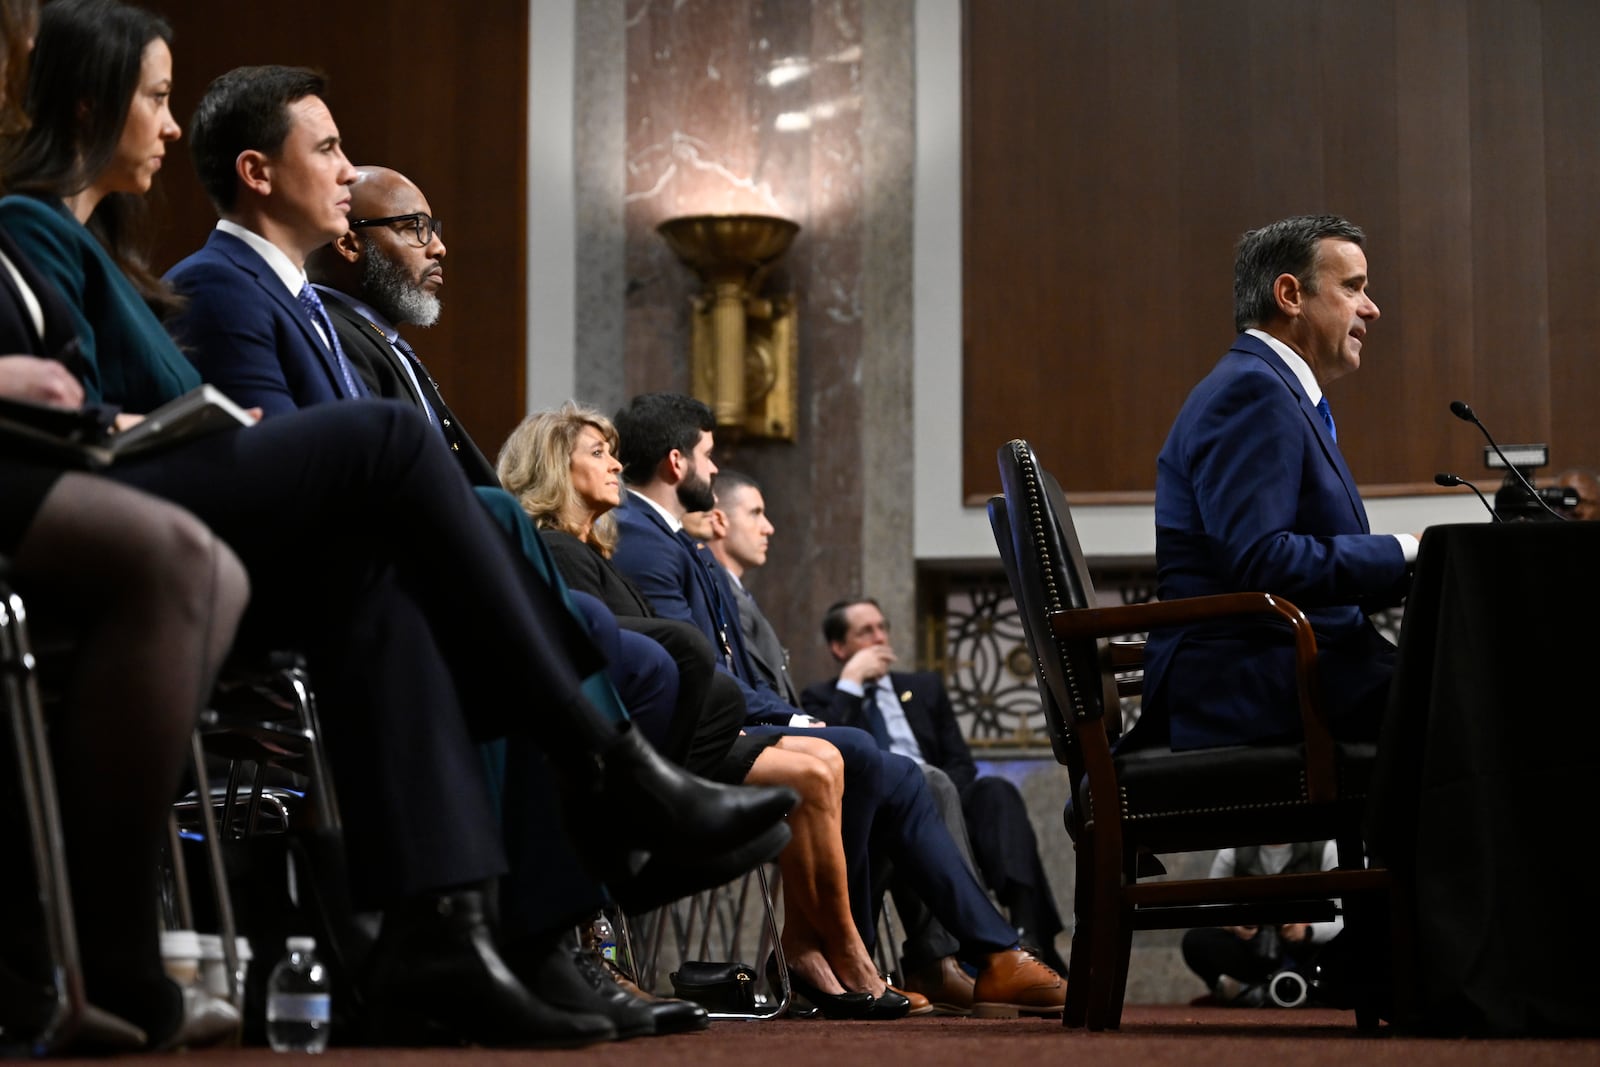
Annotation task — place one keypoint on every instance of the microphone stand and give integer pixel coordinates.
(1456, 479)
(1461, 410)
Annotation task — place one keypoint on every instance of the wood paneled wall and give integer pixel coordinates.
(436, 91)
(1115, 150)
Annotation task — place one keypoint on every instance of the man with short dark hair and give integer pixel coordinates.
(269, 156)
(1252, 493)
(740, 530)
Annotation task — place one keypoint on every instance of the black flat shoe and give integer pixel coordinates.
(890, 1005)
(832, 1005)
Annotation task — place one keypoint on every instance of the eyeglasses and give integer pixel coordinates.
(423, 227)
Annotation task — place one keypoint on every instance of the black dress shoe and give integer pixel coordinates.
(434, 977)
(645, 802)
(659, 1016)
(574, 980)
(665, 879)
(673, 1016)
(846, 1005)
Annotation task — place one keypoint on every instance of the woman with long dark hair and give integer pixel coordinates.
(151, 600)
(99, 123)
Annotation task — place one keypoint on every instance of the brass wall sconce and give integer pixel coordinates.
(743, 356)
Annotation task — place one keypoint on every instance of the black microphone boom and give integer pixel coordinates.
(1461, 410)
(1456, 479)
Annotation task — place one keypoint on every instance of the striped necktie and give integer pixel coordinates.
(312, 304)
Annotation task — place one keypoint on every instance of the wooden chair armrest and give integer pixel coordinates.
(1126, 655)
(1086, 623)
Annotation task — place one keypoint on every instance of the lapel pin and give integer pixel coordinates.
(905, 698)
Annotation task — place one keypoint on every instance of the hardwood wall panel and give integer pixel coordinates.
(1116, 150)
(437, 91)
(1572, 173)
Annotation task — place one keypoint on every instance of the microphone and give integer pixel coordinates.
(1461, 410)
(1456, 479)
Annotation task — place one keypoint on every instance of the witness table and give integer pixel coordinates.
(1489, 765)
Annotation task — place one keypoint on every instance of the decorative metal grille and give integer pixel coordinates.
(984, 657)
(977, 642)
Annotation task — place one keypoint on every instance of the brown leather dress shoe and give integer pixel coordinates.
(920, 1005)
(1013, 983)
(947, 987)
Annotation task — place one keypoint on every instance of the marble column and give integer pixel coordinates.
(797, 108)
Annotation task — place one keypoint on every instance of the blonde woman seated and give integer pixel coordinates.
(561, 466)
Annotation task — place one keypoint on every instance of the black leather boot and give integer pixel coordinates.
(665, 879)
(642, 802)
(435, 977)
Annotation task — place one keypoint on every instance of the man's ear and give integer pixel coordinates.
(719, 523)
(671, 468)
(1288, 294)
(254, 171)
(348, 246)
(837, 648)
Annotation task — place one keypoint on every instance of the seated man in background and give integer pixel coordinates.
(909, 712)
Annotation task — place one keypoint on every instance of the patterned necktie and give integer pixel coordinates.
(413, 365)
(1327, 417)
(312, 305)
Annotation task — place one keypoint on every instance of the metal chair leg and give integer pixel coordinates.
(783, 991)
(36, 778)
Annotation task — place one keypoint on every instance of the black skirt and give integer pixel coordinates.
(741, 757)
(23, 487)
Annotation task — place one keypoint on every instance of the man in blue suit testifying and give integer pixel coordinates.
(1252, 493)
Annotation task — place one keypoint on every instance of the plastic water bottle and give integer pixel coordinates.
(604, 938)
(299, 1010)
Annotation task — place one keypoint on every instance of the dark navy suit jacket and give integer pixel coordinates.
(686, 585)
(246, 331)
(1252, 493)
(928, 712)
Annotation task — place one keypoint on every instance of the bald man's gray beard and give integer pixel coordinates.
(389, 289)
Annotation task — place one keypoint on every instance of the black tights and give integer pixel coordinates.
(152, 600)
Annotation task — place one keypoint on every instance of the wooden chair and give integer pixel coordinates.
(1127, 807)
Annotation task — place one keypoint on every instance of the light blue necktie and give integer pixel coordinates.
(1327, 417)
(312, 304)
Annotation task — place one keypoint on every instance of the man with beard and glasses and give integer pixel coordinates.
(385, 273)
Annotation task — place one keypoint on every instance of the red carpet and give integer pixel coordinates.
(1176, 1036)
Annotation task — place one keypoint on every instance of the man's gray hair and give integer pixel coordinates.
(1288, 246)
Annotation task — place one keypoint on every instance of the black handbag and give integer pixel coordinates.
(721, 987)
